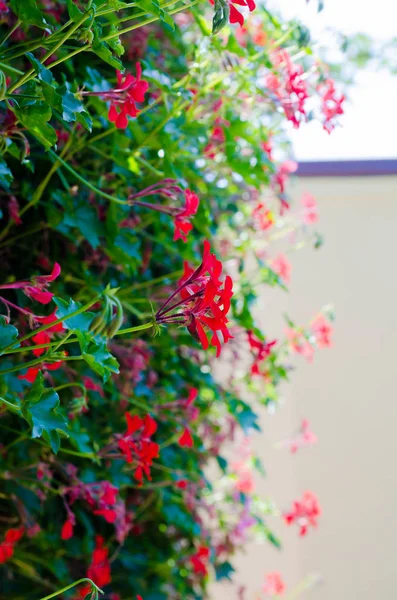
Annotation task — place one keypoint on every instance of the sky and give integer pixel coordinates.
(369, 126)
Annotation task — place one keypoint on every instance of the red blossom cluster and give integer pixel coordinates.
(101, 497)
(205, 301)
(217, 137)
(37, 288)
(169, 189)
(123, 98)
(260, 350)
(235, 15)
(274, 585)
(11, 537)
(199, 561)
(99, 570)
(331, 104)
(137, 446)
(186, 439)
(288, 87)
(304, 513)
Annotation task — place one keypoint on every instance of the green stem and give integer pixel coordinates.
(72, 585)
(73, 384)
(49, 345)
(10, 32)
(11, 406)
(85, 182)
(25, 78)
(146, 22)
(48, 325)
(37, 361)
(134, 329)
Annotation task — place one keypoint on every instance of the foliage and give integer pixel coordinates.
(129, 137)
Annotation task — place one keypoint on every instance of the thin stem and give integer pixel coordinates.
(146, 22)
(48, 325)
(10, 405)
(134, 329)
(85, 182)
(49, 345)
(72, 585)
(10, 32)
(48, 54)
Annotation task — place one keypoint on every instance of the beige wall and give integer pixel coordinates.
(349, 396)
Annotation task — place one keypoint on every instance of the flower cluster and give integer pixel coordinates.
(261, 350)
(11, 537)
(205, 301)
(288, 87)
(136, 444)
(304, 513)
(99, 570)
(274, 585)
(332, 104)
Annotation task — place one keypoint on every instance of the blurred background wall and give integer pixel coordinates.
(348, 395)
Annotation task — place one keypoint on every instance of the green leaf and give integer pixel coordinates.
(6, 177)
(80, 322)
(224, 571)
(221, 16)
(151, 6)
(101, 361)
(85, 220)
(74, 13)
(28, 13)
(35, 118)
(40, 410)
(8, 334)
(102, 50)
(78, 438)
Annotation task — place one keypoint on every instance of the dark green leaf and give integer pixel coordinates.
(8, 334)
(101, 361)
(35, 118)
(27, 12)
(6, 177)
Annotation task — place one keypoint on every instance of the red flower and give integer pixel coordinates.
(236, 16)
(304, 513)
(182, 225)
(205, 301)
(37, 288)
(138, 447)
(261, 351)
(50, 319)
(99, 569)
(186, 439)
(107, 513)
(30, 374)
(129, 90)
(11, 537)
(40, 338)
(67, 529)
(200, 560)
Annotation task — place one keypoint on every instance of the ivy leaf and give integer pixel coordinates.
(74, 13)
(27, 12)
(6, 177)
(79, 439)
(221, 16)
(60, 97)
(40, 410)
(101, 361)
(245, 417)
(35, 118)
(80, 322)
(8, 334)
(84, 219)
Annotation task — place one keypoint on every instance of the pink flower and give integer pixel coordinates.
(282, 267)
(298, 344)
(331, 104)
(304, 513)
(274, 585)
(303, 438)
(322, 331)
(310, 212)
